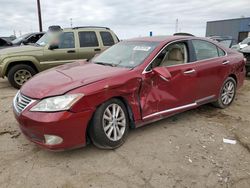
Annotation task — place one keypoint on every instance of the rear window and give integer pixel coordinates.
(204, 49)
(88, 39)
(221, 52)
(107, 38)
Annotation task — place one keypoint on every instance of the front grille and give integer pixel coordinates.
(21, 102)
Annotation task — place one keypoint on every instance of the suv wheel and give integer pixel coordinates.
(110, 124)
(19, 74)
(227, 93)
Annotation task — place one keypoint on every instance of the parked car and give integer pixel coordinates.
(53, 49)
(133, 83)
(29, 38)
(26, 39)
(4, 43)
(246, 53)
(226, 41)
(241, 45)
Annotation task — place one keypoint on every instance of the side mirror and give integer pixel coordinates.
(248, 43)
(163, 73)
(53, 46)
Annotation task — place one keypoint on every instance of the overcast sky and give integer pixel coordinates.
(128, 18)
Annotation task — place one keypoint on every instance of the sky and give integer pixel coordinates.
(127, 18)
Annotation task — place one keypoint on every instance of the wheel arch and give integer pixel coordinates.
(14, 63)
(234, 77)
(129, 110)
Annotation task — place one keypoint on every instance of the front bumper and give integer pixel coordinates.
(71, 127)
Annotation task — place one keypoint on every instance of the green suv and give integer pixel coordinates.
(55, 48)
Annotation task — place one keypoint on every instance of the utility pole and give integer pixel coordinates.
(176, 25)
(39, 16)
(71, 22)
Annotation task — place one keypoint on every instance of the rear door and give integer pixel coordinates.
(89, 44)
(212, 66)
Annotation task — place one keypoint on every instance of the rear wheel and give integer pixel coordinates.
(19, 74)
(227, 93)
(109, 126)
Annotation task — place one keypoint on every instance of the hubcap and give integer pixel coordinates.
(228, 92)
(114, 122)
(21, 76)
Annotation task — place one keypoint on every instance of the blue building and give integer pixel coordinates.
(238, 28)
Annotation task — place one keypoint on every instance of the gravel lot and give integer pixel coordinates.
(186, 150)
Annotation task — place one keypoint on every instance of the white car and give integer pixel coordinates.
(243, 44)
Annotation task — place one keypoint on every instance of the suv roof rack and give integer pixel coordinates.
(91, 27)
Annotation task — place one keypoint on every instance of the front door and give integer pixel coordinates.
(65, 53)
(159, 96)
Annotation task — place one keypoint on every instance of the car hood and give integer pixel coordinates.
(62, 79)
(20, 49)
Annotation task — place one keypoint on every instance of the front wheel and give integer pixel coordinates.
(110, 124)
(19, 74)
(227, 93)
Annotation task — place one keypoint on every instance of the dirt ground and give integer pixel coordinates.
(186, 150)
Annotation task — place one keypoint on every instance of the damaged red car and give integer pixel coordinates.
(133, 83)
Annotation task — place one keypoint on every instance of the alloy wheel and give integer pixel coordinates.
(114, 122)
(21, 76)
(228, 93)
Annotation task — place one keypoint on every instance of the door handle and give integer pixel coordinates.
(97, 49)
(191, 71)
(71, 51)
(225, 62)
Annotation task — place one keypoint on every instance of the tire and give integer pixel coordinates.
(104, 119)
(227, 94)
(19, 74)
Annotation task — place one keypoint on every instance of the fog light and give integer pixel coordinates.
(52, 139)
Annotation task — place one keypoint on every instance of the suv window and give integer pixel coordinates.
(66, 40)
(88, 39)
(107, 38)
(204, 49)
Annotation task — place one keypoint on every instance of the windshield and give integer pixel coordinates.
(20, 39)
(126, 54)
(46, 39)
(246, 41)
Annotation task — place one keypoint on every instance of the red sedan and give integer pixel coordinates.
(129, 85)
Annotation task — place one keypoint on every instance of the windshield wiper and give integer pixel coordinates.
(102, 63)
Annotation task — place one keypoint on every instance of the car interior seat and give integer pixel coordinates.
(174, 57)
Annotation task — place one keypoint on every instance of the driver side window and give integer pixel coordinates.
(66, 40)
(173, 54)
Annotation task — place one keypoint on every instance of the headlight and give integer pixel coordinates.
(59, 103)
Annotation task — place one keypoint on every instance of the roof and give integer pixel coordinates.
(159, 38)
(229, 19)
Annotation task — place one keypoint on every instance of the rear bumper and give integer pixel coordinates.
(71, 127)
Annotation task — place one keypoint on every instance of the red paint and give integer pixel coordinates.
(144, 93)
